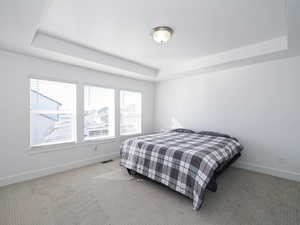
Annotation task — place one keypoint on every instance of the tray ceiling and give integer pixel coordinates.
(114, 36)
(202, 27)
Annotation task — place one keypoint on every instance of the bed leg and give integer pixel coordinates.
(131, 172)
(212, 186)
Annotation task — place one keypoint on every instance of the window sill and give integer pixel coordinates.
(51, 147)
(68, 146)
(99, 140)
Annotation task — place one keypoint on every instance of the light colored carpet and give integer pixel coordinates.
(105, 194)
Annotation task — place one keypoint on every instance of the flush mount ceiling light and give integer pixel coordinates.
(162, 34)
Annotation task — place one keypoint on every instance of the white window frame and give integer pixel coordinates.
(79, 117)
(107, 138)
(142, 120)
(53, 145)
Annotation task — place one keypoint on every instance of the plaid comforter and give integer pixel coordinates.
(184, 162)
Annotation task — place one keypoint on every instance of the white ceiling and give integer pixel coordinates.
(19, 20)
(202, 27)
(114, 35)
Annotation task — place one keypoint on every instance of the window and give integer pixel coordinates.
(52, 112)
(99, 112)
(130, 112)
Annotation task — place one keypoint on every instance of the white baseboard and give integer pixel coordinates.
(268, 170)
(29, 175)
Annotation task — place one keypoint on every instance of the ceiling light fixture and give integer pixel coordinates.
(162, 34)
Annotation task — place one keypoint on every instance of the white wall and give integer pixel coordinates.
(16, 161)
(258, 104)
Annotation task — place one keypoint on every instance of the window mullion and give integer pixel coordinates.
(117, 113)
(80, 113)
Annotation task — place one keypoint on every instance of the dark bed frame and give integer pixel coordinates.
(212, 186)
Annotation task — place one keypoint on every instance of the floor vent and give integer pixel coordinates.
(107, 161)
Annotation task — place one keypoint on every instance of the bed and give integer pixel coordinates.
(186, 161)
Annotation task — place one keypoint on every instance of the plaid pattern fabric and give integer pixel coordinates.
(182, 161)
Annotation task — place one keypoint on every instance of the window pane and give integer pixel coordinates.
(130, 112)
(53, 112)
(52, 95)
(99, 112)
(46, 130)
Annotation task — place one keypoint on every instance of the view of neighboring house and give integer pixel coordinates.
(57, 127)
(130, 121)
(43, 124)
(96, 122)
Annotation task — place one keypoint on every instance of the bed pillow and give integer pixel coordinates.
(215, 134)
(182, 130)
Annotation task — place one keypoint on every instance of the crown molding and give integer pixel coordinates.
(278, 48)
(90, 57)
